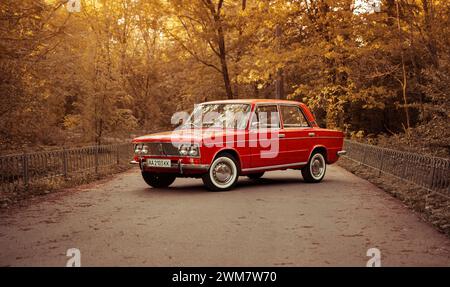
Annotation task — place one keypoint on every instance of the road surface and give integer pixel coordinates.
(279, 221)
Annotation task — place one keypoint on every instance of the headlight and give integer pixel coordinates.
(141, 149)
(144, 149)
(188, 149)
(183, 150)
(193, 150)
(137, 148)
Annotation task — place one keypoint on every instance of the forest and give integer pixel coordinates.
(94, 71)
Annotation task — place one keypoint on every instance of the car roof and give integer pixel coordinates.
(253, 101)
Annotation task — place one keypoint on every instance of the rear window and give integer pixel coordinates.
(293, 117)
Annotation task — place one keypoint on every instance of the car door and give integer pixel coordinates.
(298, 135)
(264, 137)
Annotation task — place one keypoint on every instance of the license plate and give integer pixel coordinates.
(158, 162)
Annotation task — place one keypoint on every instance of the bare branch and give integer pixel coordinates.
(193, 54)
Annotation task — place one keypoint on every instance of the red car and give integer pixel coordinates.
(223, 140)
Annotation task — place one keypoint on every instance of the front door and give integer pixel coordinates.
(264, 138)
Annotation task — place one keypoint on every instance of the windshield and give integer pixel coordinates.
(230, 116)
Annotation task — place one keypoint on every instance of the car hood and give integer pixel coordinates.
(189, 135)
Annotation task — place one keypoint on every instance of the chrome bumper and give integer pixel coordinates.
(341, 152)
(195, 166)
(180, 166)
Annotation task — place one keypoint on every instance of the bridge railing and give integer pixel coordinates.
(19, 171)
(428, 172)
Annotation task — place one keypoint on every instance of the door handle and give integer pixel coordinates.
(312, 134)
(281, 135)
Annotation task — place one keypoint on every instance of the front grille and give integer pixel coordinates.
(163, 149)
(170, 149)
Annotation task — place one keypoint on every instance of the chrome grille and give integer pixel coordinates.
(170, 149)
(163, 149)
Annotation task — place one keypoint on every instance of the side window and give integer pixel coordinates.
(266, 117)
(293, 117)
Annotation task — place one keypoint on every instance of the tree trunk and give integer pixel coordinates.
(221, 44)
(428, 12)
(279, 85)
(223, 62)
(279, 82)
(404, 80)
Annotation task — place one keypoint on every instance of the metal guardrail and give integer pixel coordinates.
(430, 173)
(18, 172)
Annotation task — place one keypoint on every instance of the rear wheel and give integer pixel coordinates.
(315, 170)
(158, 180)
(222, 174)
(255, 176)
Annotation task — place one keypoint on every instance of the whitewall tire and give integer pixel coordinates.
(222, 174)
(315, 170)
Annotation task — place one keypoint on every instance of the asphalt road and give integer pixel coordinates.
(279, 221)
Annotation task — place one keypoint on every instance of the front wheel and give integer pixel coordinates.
(158, 180)
(222, 174)
(315, 170)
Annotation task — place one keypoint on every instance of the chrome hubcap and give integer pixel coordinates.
(222, 173)
(317, 166)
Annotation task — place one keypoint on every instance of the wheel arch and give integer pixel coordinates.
(231, 151)
(320, 148)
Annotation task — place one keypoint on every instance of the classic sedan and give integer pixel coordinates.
(222, 140)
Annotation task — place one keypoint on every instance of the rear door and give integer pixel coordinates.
(298, 135)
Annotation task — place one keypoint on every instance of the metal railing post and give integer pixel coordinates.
(433, 171)
(26, 179)
(96, 159)
(118, 154)
(364, 155)
(65, 163)
(381, 163)
(404, 160)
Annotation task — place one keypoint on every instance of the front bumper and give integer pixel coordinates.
(176, 166)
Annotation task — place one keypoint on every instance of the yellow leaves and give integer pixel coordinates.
(46, 94)
(331, 55)
(371, 98)
(72, 121)
(127, 100)
(253, 75)
(357, 134)
(262, 5)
